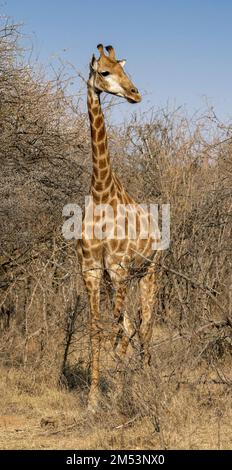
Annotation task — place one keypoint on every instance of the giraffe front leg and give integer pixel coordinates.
(125, 334)
(92, 280)
(120, 293)
(121, 322)
(124, 329)
(148, 289)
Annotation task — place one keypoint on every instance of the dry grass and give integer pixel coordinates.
(193, 415)
(184, 400)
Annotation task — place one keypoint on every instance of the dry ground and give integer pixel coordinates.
(191, 416)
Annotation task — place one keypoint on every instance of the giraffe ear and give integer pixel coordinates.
(122, 62)
(93, 64)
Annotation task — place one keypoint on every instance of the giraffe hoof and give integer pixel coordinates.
(94, 403)
(92, 408)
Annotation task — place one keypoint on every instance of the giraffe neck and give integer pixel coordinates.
(102, 171)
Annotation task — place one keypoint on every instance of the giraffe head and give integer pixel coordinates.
(107, 74)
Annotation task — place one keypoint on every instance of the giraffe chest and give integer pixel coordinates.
(127, 252)
(115, 227)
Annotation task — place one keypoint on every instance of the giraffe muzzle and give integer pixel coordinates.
(134, 99)
(133, 95)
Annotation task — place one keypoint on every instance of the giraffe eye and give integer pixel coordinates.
(105, 74)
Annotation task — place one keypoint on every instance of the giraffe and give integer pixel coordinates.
(113, 255)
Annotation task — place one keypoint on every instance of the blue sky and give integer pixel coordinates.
(177, 51)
